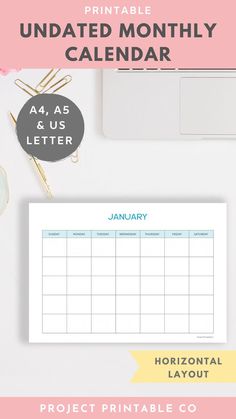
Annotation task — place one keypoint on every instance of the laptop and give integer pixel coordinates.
(169, 104)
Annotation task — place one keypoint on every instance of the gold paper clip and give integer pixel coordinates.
(26, 87)
(75, 156)
(38, 168)
(41, 86)
(58, 85)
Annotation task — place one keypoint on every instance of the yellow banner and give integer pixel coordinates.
(185, 366)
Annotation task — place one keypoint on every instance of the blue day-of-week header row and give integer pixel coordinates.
(71, 234)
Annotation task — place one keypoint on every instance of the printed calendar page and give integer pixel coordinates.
(127, 272)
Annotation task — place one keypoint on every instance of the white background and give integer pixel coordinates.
(108, 170)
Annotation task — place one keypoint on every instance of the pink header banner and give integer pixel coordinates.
(109, 34)
(72, 407)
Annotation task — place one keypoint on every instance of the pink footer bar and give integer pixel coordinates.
(124, 407)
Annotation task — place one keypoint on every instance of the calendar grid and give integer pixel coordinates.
(159, 271)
